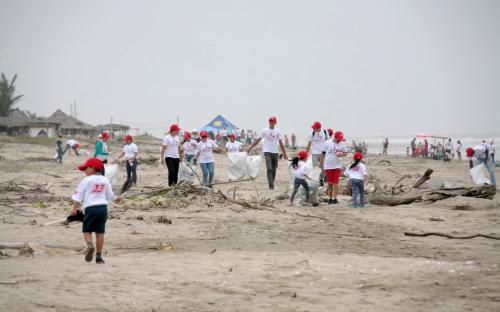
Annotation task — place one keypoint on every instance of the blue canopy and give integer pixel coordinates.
(219, 123)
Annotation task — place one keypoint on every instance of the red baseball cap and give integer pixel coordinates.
(316, 125)
(92, 162)
(128, 137)
(273, 119)
(330, 131)
(358, 155)
(232, 136)
(203, 134)
(302, 154)
(187, 135)
(105, 134)
(339, 135)
(174, 127)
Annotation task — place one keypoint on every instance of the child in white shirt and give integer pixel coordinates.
(93, 195)
(298, 171)
(356, 174)
(130, 151)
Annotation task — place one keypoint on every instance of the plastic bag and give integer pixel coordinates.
(314, 174)
(111, 172)
(185, 173)
(478, 174)
(253, 165)
(237, 165)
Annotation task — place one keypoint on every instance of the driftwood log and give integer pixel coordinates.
(483, 191)
(451, 236)
(424, 178)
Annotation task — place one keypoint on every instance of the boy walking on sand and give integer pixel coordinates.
(93, 195)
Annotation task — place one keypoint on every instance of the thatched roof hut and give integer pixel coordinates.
(114, 129)
(18, 122)
(70, 126)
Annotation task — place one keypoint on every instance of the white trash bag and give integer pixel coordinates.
(253, 165)
(237, 165)
(478, 175)
(185, 173)
(111, 173)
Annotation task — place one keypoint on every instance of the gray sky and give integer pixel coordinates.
(364, 67)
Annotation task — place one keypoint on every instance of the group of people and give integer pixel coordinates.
(437, 151)
(325, 147)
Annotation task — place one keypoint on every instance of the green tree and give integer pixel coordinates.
(7, 97)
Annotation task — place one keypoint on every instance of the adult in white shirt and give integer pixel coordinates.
(190, 147)
(233, 146)
(315, 145)
(333, 150)
(448, 147)
(130, 152)
(458, 149)
(224, 134)
(491, 150)
(271, 136)
(206, 159)
(171, 153)
(482, 153)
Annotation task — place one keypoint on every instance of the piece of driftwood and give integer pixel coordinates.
(451, 236)
(424, 178)
(394, 171)
(233, 181)
(482, 191)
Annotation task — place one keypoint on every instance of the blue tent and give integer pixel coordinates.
(219, 123)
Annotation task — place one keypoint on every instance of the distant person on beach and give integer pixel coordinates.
(330, 133)
(233, 146)
(206, 159)
(385, 146)
(294, 138)
(413, 145)
(408, 151)
(481, 152)
(469, 152)
(299, 176)
(426, 149)
(224, 134)
(218, 138)
(195, 135)
(72, 145)
(101, 148)
(59, 149)
(356, 173)
(315, 144)
(286, 141)
(448, 148)
(190, 147)
(333, 150)
(171, 153)
(271, 146)
(458, 149)
(130, 152)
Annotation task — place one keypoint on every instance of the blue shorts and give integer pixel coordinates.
(94, 219)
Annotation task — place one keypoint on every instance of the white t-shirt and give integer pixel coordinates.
(233, 147)
(299, 172)
(331, 148)
(130, 150)
(223, 132)
(491, 149)
(459, 147)
(480, 151)
(271, 138)
(358, 172)
(238, 133)
(206, 150)
(317, 140)
(172, 143)
(448, 146)
(72, 143)
(93, 190)
(190, 147)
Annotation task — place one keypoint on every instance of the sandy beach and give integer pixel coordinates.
(220, 256)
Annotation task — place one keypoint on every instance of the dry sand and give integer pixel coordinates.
(227, 258)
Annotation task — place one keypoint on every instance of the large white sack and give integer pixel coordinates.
(253, 165)
(478, 174)
(111, 172)
(237, 165)
(185, 173)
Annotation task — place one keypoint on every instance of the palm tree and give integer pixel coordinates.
(7, 98)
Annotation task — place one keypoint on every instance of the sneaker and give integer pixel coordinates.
(335, 201)
(89, 252)
(271, 188)
(362, 206)
(98, 260)
(330, 201)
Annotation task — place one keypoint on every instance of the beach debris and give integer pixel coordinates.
(437, 219)
(424, 178)
(213, 251)
(425, 234)
(164, 219)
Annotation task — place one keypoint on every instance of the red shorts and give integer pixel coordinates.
(333, 175)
